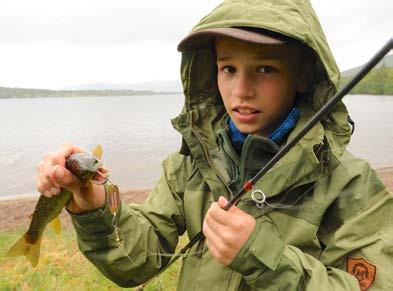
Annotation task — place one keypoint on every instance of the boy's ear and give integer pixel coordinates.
(306, 78)
(307, 61)
(303, 84)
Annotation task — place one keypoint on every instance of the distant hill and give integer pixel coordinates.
(97, 89)
(378, 82)
(32, 93)
(387, 61)
(156, 86)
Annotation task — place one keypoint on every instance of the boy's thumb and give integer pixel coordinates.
(222, 201)
(63, 177)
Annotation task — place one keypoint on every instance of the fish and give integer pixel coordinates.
(85, 166)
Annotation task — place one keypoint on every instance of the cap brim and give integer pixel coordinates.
(203, 38)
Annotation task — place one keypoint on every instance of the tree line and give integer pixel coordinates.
(378, 82)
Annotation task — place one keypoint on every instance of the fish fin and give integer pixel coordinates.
(56, 225)
(89, 193)
(87, 190)
(97, 151)
(23, 248)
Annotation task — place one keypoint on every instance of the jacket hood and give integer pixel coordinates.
(204, 112)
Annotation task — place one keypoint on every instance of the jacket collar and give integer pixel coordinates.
(303, 161)
(277, 136)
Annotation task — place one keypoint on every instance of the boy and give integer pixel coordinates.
(253, 73)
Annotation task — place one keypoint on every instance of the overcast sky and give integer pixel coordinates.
(59, 44)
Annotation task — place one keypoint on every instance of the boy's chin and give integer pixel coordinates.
(249, 129)
(253, 128)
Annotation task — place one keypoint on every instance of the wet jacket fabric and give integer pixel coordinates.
(326, 210)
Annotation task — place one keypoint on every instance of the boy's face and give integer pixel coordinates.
(258, 83)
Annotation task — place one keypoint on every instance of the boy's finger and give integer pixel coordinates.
(223, 202)
(214, 225)
(43, 184)
(212, 248)
(63, 178)
(211, 235)
(221, 216)
(67, 149)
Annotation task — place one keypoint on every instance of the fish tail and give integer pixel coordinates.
(23, 248)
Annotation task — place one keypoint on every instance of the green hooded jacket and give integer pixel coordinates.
(329, 221)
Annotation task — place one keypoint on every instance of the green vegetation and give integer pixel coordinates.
(387, 61)
(34, 93)
(377, 82)
(63, 267)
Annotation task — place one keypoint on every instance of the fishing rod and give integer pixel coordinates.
(312, 122)
(285, 149)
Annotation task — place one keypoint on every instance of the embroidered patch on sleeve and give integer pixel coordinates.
(363, 271)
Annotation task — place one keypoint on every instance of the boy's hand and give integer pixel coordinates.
(52, 175)
(226, 231)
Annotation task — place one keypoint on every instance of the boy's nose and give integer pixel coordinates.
(244, 87)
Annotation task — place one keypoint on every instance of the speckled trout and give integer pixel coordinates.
(83, 165)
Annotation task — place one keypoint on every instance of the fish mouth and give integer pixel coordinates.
(100, 176)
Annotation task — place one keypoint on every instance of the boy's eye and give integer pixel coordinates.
(229, 69)
(265, 69)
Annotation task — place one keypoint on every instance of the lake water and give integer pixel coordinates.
(137, 135)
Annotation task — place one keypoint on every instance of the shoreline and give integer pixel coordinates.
(384, 173)
(35, 196)
(15, 213)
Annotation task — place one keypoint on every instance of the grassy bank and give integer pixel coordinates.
(63, 267)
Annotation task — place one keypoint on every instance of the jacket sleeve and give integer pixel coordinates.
(266, 262)
(146, 232)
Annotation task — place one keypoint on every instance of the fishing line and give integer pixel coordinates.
(120, 246)
(287, 206)
(174, 254)
(272, 205)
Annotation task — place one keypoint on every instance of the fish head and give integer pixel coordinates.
(83, 165)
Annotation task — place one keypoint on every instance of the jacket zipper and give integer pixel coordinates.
(229, 280)
(318, 149)
(242, 173)
(211, 164)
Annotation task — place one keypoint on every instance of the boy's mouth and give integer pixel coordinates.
(245, 110)
(245, 114)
